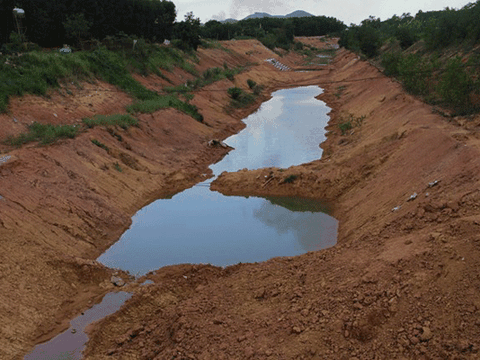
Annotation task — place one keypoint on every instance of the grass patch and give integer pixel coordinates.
(163, 102)
(345, 126)
(100, 145)
(340, 91)
(36, 72)
(112, 61)
(117, 167)
(208, 76)
(122, 120)
(290, 179)
(350, 122)
(44, 134)
(240, 98)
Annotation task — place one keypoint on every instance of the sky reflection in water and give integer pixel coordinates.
(201, 226)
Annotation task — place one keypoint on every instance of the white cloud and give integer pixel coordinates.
(348, 11)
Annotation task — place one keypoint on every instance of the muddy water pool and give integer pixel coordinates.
(202, 226)
(70, 344)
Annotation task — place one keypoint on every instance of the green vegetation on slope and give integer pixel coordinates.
(45, 134)
(432, 53)
(36, 71)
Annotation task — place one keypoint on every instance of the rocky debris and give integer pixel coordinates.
(412, 197)
(426, 334)
(4, 159)
(217, 143)
(117, 281)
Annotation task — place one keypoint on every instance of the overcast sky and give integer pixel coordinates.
(348, 11)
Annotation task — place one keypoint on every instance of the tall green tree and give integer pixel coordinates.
(188, 32)
(6, 19)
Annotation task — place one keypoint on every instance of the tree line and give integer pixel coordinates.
(51, 23)
(438, 29)
(273, 32)
(413, 48)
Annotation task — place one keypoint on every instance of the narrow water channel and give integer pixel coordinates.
(70, 344)
(202, 226)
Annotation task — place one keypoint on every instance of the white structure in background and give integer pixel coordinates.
(19, 14)
(65, 49)
(278, 65)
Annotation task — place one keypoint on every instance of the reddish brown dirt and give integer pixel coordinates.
(62, 205)
(398, 285)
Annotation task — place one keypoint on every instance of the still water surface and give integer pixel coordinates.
(70, 344)
(202, 226)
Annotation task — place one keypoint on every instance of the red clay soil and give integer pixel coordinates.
(62, 205)
(402, 282)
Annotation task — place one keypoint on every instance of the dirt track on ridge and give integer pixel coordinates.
(400, 284)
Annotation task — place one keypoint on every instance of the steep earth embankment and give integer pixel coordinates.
(62, 205)
(403, 281)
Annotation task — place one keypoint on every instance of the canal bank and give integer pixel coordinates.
(399, 284)
(401, 281)
(64, 204)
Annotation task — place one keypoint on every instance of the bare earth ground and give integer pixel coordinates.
(400, 284)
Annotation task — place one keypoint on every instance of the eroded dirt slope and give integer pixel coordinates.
(403, 281)
(62, 205)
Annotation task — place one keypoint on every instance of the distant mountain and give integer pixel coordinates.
(229, 21)
(259, 15)
(297, 13)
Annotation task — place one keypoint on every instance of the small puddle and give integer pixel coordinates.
(70, 344)
(202, 226)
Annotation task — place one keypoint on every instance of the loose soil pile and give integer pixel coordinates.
(402, 283)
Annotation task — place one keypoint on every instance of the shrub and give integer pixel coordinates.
(391, 62)
(406, 35)
(243, 100)
(100, 145)
(257, 90)
(230, 74)
(212, 74)
(298, 46)
(345, 126)
(415, 73)
(235, 92)
(251, 84)
(117, 167)
(290, 179)
(456, 85)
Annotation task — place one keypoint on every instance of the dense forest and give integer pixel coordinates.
(55, 22)
(273, 32)
(51, 23)
(434, 54)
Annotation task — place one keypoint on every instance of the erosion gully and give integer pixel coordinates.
(202, 226)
